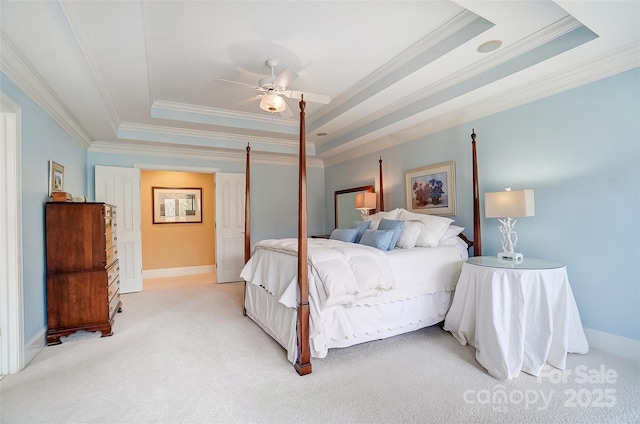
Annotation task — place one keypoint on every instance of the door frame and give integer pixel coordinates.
(179, 168)
(12, 348)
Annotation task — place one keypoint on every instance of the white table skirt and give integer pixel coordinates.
(517, 319)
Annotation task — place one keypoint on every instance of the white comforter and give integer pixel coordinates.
(344, 272)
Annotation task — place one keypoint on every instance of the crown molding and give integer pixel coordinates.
(18, 70)
(457, 23)
(617, 61)
(78, 27)
(212, 116)
(458, 30)
(611, 63)
(193, 152)
(454, 79)
(205, 110)
(134, 131)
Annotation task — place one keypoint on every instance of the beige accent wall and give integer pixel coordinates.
(177, 245)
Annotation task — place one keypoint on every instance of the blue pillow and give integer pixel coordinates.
(360, 226)
(392, 224)
(377, 238)
(344, 234)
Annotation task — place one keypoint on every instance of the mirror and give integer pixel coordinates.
(345, 212)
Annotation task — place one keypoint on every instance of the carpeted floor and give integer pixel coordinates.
(182, 352)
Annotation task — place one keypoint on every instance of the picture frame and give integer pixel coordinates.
(56, 177)
(177, 205)
(432, 189)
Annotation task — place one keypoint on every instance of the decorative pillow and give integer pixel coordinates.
(344, 234)
(451, 232)
(377, 238)
(409, 234)
(433, 230)
(395, 226)
(360, 226)
(376, 217)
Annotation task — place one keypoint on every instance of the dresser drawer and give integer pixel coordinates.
(113, 289)
(112, 273)
(111, 255)
(110, 225)
(111, 239)
(114, 304)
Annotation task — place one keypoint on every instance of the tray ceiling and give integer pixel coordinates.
(145, 75)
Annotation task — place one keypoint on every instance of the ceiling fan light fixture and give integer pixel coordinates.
(271, 102)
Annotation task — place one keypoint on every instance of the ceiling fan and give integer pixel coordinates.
(274, 87)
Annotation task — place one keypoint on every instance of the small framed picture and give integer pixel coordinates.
(56, 177)
(432, 189)
(177, 205)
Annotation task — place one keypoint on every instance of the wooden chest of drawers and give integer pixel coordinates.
(83, 286)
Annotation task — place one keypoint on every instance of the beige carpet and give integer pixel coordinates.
(183, 353)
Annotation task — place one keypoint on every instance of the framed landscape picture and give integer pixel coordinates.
(432, 189)
(177, 205)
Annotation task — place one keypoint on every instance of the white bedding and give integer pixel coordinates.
(424, 280)
(343, 272)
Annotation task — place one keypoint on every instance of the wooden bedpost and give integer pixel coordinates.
(247, 221)
(303, 361)
(247, 207)
(477, 238)
(381, 187)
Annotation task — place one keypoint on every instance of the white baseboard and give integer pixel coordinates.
(35, 345)
(612, 343)
(178, 272)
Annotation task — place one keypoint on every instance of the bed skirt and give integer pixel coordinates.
(341, 326)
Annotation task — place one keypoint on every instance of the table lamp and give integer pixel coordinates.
(364, 202)
(509, 204)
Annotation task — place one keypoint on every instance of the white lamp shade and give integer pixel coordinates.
(365, 200)
(505, 204)
(271, 102)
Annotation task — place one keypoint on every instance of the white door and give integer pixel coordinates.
(121, 187)
(229, 226)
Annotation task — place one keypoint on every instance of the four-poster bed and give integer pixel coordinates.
(314, 294)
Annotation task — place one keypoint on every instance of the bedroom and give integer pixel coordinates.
(577, 149)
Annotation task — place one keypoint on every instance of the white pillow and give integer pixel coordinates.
(409, 234)
(433, 230)
(377, 217)
(451, 232)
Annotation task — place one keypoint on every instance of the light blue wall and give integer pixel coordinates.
(274, 190)
(42, 140)
(580, 153)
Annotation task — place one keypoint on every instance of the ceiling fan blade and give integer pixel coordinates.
(285, 78)
(247, 101)
(240, 83)
(311, 97)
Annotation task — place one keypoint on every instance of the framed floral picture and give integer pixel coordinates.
(432, 189)
(177, 205)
